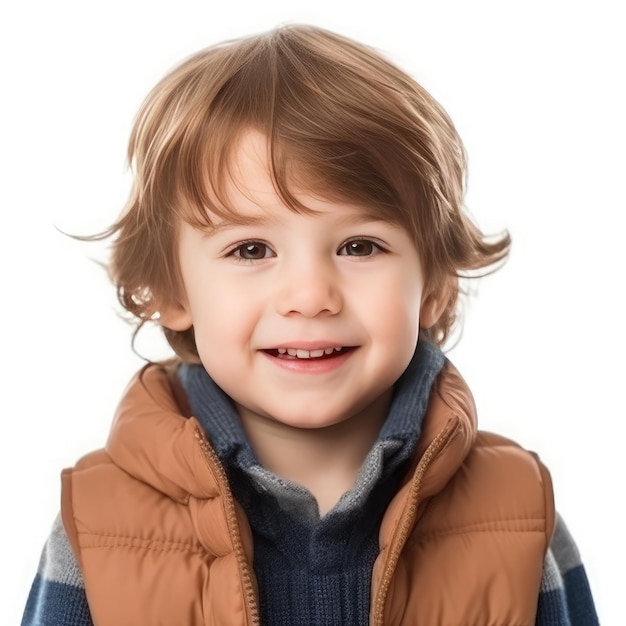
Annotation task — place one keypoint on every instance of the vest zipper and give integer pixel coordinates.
(249, 587)
(405, 525)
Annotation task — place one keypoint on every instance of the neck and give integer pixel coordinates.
(324, 460)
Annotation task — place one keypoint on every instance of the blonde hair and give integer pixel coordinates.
(340, 120)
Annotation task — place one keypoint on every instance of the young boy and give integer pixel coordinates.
(310, 457)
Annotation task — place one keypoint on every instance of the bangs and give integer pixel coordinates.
(337, 126)
(198, 202)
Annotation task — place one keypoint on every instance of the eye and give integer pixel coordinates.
(252, 251)
(360, 248)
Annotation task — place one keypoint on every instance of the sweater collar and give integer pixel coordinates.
(217, 415)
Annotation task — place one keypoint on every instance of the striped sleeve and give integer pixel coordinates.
(565, 598)
(57, 596)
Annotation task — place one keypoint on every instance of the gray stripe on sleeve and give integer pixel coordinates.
(57, 563)
(551, 579)
(564, 548)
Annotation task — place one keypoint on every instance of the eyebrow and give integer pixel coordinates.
(227, 224)
(353, 219)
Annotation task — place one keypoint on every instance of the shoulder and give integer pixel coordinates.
(515, 465)
(513, 462)
(503, 469)
(142, 464)
(481, 476)
(499, 488)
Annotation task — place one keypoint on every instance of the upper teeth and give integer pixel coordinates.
(306, 354)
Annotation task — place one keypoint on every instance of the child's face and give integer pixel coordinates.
(307, 320)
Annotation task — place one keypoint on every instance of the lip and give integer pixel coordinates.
(310, 366)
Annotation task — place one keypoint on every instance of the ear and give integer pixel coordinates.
(176, 316)
(433, 305)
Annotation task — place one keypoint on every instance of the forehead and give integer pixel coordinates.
(249, 184)
(250, 192)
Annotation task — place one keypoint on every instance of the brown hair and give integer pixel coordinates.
(340, 120)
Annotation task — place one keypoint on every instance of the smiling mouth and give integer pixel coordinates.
(299, 353)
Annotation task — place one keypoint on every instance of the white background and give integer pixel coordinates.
(536, 90)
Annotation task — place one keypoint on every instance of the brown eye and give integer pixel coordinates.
(359, 247)
(252, 251)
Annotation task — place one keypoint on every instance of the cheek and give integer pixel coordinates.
(222, 314)
(396, 311)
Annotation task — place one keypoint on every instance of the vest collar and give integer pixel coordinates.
(153, 440)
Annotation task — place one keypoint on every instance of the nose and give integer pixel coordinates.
(308, 288)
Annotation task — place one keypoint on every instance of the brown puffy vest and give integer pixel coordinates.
(161, 541)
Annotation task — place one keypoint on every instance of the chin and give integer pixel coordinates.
(307, 420)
